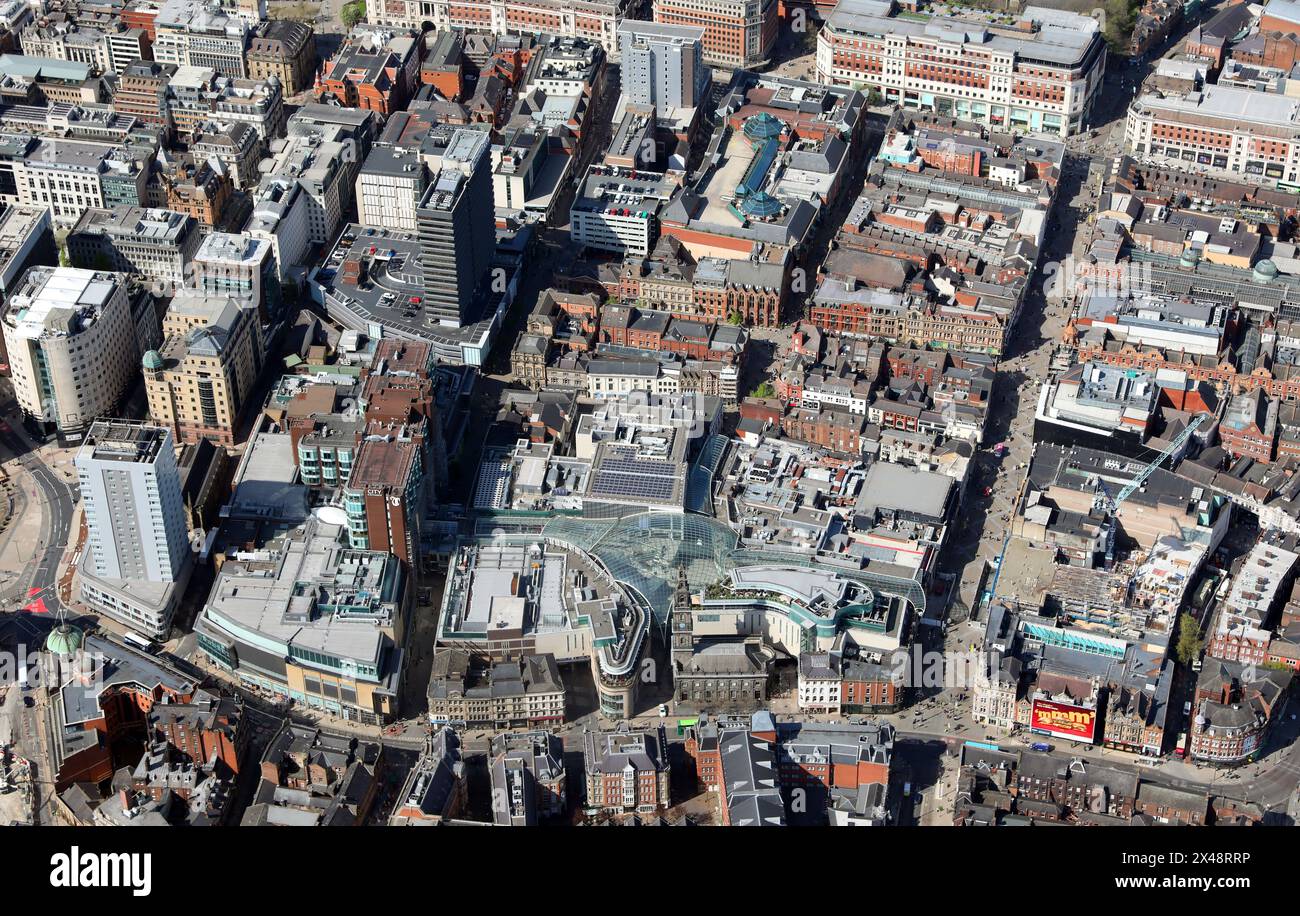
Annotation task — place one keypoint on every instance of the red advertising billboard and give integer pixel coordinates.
(1062, 720)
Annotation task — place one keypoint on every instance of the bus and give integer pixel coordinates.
(136, 641)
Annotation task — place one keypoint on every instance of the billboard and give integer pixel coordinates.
(1062, 720)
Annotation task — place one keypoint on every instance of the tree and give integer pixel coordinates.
(875, 99)
(1190, 642)
(1120, 17)
(763, 390)
(352, 13)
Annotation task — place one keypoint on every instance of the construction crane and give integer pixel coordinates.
(1111, 505)
(1106, 502)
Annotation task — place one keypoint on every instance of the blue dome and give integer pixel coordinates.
(763, 126)
(761, 204)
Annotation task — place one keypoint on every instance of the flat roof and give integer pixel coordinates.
(1062, 38)
(289, 600)
(231, 246)
(383, 463)
(123, 440)
(661, 30)
(48, 292)
(1231, 103)
(76, 155)
(908, 489)
(393, 160)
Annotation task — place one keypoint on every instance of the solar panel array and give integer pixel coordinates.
(635, 478)
(493, 488)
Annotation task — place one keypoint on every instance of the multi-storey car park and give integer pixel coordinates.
(706, 209)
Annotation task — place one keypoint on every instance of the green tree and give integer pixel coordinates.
(352, 13)
(1190, 643)
(763, 390)
(875, 99)
(1120, 18)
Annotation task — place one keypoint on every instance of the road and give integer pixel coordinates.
(57, 503)
(983, 521)
(1269, 784)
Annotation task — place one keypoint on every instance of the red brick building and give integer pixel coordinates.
(102, 719)
(806, 755)
(737, 33)
(627, 770)
(372, 73)
(1249, 426)
(765, 410)
(837, 430)
(383, 493)
(870, 687)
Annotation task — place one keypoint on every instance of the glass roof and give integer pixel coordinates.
(644, 550)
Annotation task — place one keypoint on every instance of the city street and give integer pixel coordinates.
(56, 503)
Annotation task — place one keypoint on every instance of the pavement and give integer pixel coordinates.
(1042, 320)
(45, 473)
(981, 528)
(34, 544)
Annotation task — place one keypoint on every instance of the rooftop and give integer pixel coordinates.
(309, 595)
(59, 301)
(123, 440)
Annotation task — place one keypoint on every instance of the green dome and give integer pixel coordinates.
(153, 360)
(63, 640)
(1265, 271)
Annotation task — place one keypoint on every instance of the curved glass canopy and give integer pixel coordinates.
(644, 551)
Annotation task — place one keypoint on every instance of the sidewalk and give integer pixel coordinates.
(302, 713)
(21, 537)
